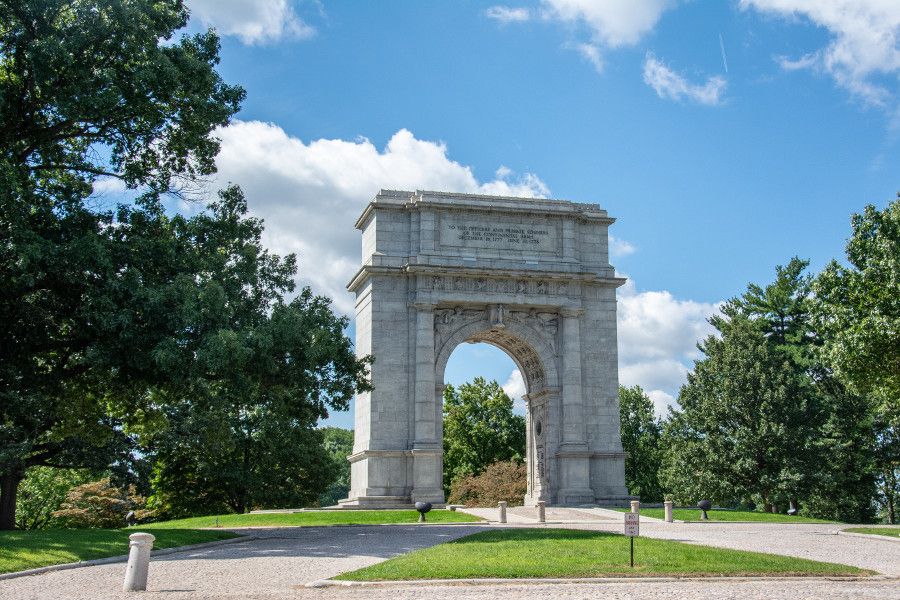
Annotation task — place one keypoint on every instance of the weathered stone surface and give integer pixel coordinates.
(530, 276)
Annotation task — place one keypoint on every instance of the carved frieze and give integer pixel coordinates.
(482, 285)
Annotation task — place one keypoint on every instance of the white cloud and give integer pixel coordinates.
(619, 247)
(609, 23)
(506, 14)
(865, 42)
(658, 337)
(613, 23)
(669, 84)
(591, 52)
(253, 21)
(661, 402)
(310, 194)
(515, 389)
(108, 185)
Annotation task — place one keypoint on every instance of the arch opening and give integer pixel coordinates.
(535, 362)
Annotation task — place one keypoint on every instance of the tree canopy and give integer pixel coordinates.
(122, 327)
(479, 429)
(641, 438)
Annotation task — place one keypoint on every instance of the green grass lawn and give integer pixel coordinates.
(20, 550)
(519, 553)
(691, 514)
(886, 531)
(329, 517)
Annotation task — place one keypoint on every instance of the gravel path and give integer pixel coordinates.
(273, 563)
(277, 563)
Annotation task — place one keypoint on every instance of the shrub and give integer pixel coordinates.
(100, 504)
(502, 480)
(42, 492)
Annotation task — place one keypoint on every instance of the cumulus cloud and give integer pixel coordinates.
(658, 337)
(613, 23)
(661, 402)
(669, 84)
(609, 24)
(619, 247)
(310, 193)
(515, 389)
(506, 14)
(864, 45)
(253, 21)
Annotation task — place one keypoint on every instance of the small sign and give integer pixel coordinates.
(632, 524)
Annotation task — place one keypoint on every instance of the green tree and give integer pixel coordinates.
(828, 420)
(89, 88)
(742, 426)
(479, 429)
(858, 310)
(339, 445)
(641, 439)
(241, 387)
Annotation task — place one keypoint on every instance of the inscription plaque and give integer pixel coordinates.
(529, 236)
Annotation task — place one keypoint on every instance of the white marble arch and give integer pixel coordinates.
(530, 276)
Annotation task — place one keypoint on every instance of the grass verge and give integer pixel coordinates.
(329, 517)
(566, 553)
(693, 514)
(886, 531)
(21, 550)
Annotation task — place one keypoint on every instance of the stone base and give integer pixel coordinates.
(615, 501)
(575, 497)
(367, 502)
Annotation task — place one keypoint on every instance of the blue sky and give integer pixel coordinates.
(725, 137)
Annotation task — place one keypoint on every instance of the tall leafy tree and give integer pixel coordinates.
(858, 309)
(242, 380)
(479, 429)
(742, 425)
(641, 439)
(89, 88)
(816, 415)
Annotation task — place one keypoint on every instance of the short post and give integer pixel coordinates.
(669, 506)
(635, 506)
(502, 506)
(140, 545)
(542, 514)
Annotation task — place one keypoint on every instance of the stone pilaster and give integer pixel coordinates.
(426, 450)
(572, 398)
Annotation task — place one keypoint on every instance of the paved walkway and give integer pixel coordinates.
(277, 563)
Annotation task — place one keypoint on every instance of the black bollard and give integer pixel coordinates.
(704, 505)
(423, 507)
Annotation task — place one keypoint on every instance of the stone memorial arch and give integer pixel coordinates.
(529, 276)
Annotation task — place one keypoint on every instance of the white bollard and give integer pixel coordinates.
(138, 562)
(542, 515)
(635, 506)
(502, 506)
(669, 505)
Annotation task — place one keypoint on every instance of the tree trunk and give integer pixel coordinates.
(9, 487)
(889, 487)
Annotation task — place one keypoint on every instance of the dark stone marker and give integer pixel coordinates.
(704, 505)
(423, 507)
